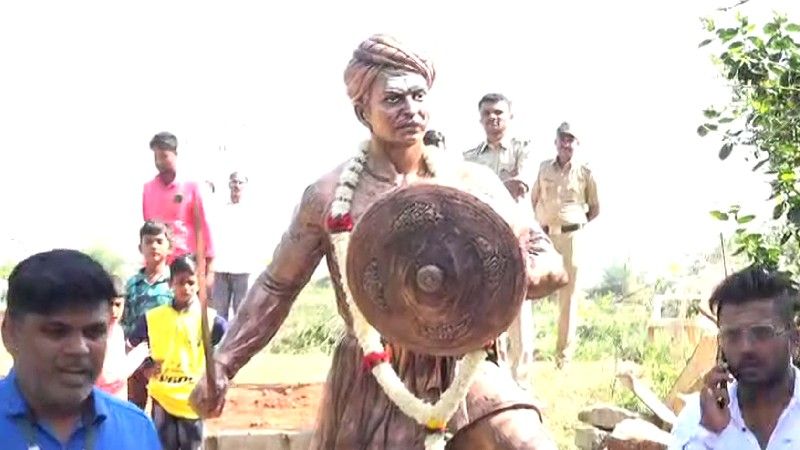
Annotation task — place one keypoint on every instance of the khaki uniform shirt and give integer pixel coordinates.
(562, 195)
(508, 161)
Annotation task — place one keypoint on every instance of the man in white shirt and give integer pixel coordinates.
(508, 157)
(751, 400)
(236, 256)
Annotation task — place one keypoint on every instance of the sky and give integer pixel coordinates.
(257, 86)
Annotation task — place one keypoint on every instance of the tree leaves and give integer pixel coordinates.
(778, 210)
(794, 215)
(781, 43)
(760, 164)
(771, 28)
(726, 34)
(719, 215)
(707, 24)
(757, 41)
(761, 65)
(725, 151)
(703, 129)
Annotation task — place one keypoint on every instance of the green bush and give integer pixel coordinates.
(662, 362)
(609, 329)
(112, 262)
(313, 325)
(322, 283)
(6, 268)
(606, 329)
(618, 279)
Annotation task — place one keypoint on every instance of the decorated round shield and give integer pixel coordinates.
(435, 270)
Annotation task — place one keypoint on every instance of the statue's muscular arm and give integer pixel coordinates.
(270, 298)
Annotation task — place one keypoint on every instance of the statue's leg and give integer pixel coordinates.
(356, 414)
(501, 416)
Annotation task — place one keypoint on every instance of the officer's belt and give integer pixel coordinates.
(563, 229)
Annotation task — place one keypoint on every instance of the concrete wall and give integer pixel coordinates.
(259, 440)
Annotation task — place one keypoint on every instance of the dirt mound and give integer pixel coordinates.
(286, 407)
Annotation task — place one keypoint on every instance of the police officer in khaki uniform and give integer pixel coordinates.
(508, 158)
(564, 199)
(505, 155)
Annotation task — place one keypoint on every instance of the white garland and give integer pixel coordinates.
(432, 416)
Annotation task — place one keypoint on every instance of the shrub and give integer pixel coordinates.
(313, 325)
(111, 261)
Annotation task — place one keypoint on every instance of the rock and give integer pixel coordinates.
(637, 434)
(605, 417)
(259, 440)
(300, 440)
(590, 438)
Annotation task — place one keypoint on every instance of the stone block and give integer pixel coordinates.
(605, 417)
(637, 434)
(590, 438)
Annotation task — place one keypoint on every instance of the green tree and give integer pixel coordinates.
(112, 262)
(6, 268)
(762, 120)
(762, 65)
(617, 280)
(623, 284)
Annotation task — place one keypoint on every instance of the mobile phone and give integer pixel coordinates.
(722, 361)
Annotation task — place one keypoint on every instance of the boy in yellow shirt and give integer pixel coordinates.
(178, 360)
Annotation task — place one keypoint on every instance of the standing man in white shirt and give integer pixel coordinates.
(508, 158)
(506, 155)
(236, 254)
(751, 400)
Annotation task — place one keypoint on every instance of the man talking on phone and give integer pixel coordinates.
(751, 399)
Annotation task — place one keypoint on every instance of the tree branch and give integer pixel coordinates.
(728, 8)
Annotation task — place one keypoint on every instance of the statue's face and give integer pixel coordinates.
(396, 110)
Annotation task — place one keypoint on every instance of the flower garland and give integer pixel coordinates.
(433, 417)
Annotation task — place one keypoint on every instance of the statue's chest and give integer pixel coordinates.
(368, 192)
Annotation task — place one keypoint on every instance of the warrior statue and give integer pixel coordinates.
(429, 262)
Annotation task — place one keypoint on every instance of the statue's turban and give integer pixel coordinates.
(379, 53)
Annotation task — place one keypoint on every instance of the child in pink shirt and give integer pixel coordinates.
(118, 365)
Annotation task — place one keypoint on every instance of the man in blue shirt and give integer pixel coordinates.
(55, 329)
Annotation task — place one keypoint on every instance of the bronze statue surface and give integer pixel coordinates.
(435, 270)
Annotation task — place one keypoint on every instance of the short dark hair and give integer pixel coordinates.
(757, 283)
(493, 97)
(433, 137)
(119, 286)
(154, 228)
(164, 141)
(57, 280)
(183, 264)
